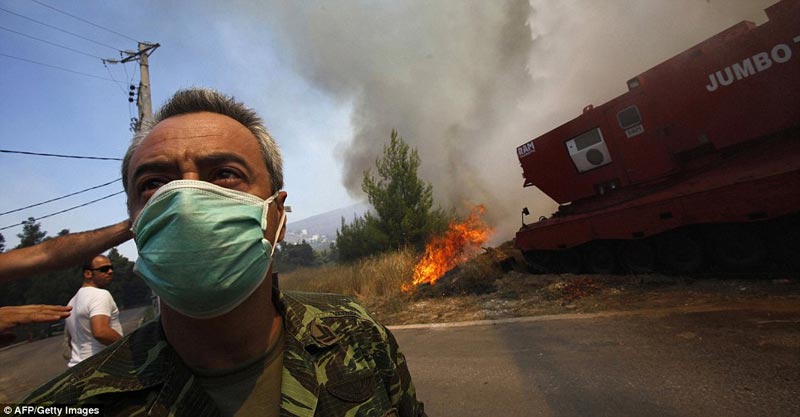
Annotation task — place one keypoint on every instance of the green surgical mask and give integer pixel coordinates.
(202, 247)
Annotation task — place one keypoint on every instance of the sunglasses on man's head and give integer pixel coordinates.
(103, 269)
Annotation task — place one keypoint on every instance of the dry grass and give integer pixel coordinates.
(375, 281)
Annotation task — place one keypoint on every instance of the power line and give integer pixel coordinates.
(65, 210)
(51, 43)
(61, 156)
(125, 68)
(130, 82)
(135, 68)
(84, 20)
(59, 29)
(133, 76)
(115, 80)
(60, 198)
(55, 67)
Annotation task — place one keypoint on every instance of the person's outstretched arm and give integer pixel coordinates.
(13, 315)
(62, 251)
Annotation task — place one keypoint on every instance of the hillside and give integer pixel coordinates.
(320, 230)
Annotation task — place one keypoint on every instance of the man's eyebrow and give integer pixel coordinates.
(213, 159)
(155, 166)
(206, 160)
(221, 157)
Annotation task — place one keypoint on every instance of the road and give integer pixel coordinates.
(740, 361)
(655, 363)
(28, 365)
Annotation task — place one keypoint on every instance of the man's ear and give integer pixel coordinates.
(282, 209)
(283, 231)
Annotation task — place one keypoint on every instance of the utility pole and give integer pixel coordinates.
(144, 105)
(143, 99)
(143, 102)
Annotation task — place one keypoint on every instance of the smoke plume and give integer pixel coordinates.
(466, 82)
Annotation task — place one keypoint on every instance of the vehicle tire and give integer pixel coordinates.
(601, 258)
(637, 256)
(783, 236)
(738, 248)
(568, 261)
(538, 261)
(680, 252)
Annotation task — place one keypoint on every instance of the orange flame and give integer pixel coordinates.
(460, 243)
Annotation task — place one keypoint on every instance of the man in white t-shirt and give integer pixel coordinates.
(94, 322)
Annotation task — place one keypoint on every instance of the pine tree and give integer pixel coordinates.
(127, 288)
(32, 233)
(302, 254)
(361, 238)
(2, 243)
(403, 201)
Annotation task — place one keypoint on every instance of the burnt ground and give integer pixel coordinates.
(497, 285)
(518, 294)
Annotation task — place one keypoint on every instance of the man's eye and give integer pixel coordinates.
(151, 184)
(227, 174)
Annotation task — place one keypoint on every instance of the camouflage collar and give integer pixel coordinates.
(333, 352)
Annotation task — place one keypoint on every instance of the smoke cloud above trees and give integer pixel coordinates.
(466, 82)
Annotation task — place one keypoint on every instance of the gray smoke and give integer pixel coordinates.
(465, 82)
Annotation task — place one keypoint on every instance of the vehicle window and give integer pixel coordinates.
(629, 117)
(587, 139)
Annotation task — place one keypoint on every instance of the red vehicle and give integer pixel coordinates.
(698, 164)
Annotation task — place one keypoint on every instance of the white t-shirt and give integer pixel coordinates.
(87, 303)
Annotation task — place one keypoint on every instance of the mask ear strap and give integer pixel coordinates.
(265, 210)
(278, 232)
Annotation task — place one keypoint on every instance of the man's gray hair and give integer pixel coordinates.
(196, 100)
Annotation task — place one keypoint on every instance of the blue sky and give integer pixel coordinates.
(51, 111)
(465, 82)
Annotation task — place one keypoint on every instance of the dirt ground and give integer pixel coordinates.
(520, 294)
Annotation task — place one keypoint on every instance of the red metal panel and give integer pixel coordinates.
(642, 155)
(759, 184)
(756, 200)
(554, 234)
(735, 97)
(761, 66)
(635, 222)
(685, 106)
(551, 169)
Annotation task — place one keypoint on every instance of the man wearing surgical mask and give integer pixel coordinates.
(203, 182)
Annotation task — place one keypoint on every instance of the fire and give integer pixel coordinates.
(460, 243)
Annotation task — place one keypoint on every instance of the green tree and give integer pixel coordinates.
(363, 237)
(32, 233)
(17, 291)
(2, 243)
(290, 256)
(302, 254)
(53, 287)
(126, 287)
(402, 200)
(330, 255)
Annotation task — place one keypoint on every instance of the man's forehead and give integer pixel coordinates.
(215, 131)
(201, 121)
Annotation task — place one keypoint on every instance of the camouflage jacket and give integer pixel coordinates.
(337, 361)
